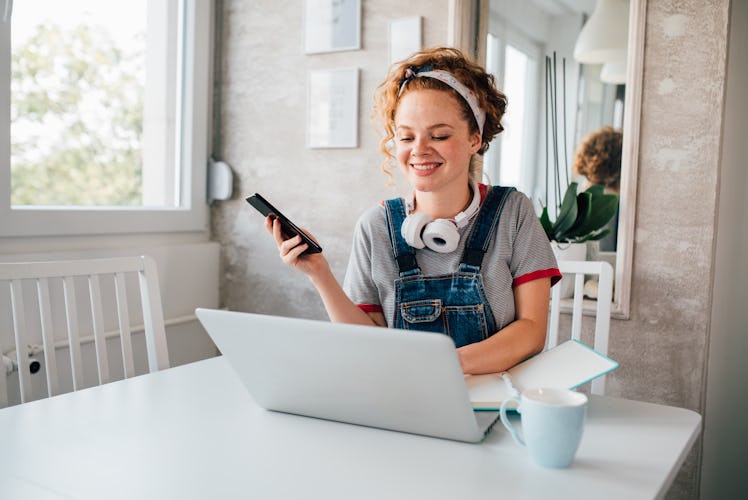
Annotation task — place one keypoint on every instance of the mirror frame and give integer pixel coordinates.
(621, 308)
(467, 27)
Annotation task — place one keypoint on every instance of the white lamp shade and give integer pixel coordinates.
(613, 72)
(604, 36)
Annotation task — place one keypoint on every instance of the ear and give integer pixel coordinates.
(476, 141)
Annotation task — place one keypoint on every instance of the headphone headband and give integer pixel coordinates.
(464, 217)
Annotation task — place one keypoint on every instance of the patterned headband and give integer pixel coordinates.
(452, 81)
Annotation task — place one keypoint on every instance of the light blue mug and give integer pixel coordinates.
(552, 424)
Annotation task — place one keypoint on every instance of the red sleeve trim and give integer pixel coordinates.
(370, 308)
(554, 274)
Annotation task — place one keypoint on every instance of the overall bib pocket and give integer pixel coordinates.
(421, 311)
(466, 324)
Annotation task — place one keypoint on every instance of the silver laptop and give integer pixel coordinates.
(378, 377)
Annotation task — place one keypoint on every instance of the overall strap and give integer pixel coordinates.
(404, 254)
(485, 227)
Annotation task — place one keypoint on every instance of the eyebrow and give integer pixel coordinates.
(431, 127)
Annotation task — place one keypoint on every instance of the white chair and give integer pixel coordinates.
(577, 270)
(51, 291)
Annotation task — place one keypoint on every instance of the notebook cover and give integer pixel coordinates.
(568, 365)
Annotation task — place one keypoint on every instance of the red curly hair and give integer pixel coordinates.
(598, 158)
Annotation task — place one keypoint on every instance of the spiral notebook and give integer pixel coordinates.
(568, 365)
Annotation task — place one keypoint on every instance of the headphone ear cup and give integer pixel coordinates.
(413, 227)
(441, 236)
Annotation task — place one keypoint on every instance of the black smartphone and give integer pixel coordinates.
(289, 228)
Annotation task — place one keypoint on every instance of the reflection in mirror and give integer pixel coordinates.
(519, 37)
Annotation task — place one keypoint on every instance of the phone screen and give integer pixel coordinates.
(289, 228)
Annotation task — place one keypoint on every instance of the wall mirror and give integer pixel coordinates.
(514, 39)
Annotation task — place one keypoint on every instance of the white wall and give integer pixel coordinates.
(725, 444)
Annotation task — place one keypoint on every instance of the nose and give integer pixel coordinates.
(420, 146)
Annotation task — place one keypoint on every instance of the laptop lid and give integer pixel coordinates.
(366, 375)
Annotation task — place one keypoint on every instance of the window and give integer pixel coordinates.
(106, 112)
(512, 159)
(515, 83)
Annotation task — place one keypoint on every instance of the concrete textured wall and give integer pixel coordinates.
(262, 93)
(662, 348)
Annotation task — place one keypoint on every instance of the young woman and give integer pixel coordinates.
(456, 257)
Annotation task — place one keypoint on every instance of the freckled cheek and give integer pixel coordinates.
(402, 154)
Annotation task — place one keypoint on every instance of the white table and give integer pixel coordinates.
(194, 432)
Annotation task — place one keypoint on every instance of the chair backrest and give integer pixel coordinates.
(576, 271)
(43, 282)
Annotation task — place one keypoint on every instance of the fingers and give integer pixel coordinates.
(291, 255)
(290, 249)
(274, 228)
(286, 246)
(269, 223)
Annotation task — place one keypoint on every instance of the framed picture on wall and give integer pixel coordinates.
(332, 25)
(332, 109)
(405, 37)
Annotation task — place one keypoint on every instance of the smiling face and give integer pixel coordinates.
(433, 141)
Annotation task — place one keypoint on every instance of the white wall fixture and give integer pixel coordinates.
(332, 107)
(604, 36)
(220, 181)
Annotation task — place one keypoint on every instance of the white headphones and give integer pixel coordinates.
(440, 235)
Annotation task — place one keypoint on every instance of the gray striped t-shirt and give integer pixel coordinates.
(519, 252)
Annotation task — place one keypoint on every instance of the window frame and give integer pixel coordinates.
(193, 212)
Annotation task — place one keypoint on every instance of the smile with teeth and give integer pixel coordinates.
(424, 166)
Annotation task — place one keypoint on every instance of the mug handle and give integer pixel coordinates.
(507, 423)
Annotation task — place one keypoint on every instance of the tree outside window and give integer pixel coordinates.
(76, 118)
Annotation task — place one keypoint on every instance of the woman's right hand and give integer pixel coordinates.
(291, 250)
(337, 304)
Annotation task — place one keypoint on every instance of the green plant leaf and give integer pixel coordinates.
(595, 190)
(567, 215)
(584, 211)
(545, 221)
(604, 207)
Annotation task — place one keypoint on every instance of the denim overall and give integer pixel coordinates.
(454, 304)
